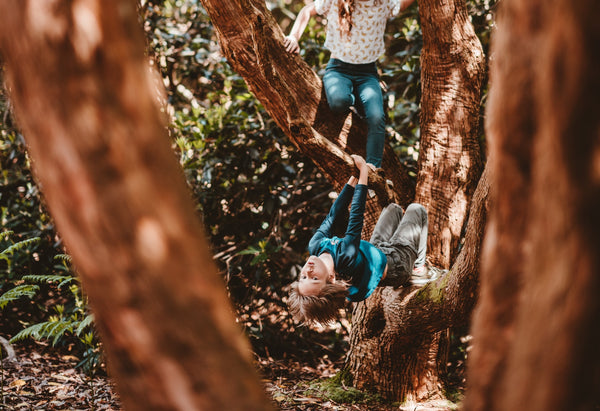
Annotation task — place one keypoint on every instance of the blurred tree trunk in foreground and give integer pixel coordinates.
(395, 346)
(86, 100)
(536, 327)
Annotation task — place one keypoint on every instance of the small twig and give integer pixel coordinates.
(10, 353)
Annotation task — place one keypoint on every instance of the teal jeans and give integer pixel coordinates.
(349, 85)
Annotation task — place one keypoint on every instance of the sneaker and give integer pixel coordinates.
(426, 274)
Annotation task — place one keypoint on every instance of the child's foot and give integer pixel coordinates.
(426, 274)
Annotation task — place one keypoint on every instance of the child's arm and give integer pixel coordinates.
(363, 168)
(357, 210)
(341, 202)
(291, 41)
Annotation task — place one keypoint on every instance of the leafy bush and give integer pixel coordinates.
(70, 319)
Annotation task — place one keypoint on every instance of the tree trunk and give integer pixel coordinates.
(450, 163)
(85, 98)
(292, 94)
(398, 340)
(536, 327)
(450, 158)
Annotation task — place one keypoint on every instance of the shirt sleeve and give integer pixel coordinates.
(322, 6)
(324, 230)
(357, 211)
(395, 7)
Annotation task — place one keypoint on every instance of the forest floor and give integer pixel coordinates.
(297, 368)
(39, 377)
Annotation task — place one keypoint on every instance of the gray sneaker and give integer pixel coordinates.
(426, 274)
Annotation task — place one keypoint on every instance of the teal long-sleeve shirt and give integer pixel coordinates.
(356, 261)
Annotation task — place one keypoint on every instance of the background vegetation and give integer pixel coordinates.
(258, 197)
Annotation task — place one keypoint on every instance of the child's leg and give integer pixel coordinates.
(338, 88)
(412, 233)
(388, 221)
(371, 97)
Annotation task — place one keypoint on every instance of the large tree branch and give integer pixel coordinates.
(448, 301)
(292, 94)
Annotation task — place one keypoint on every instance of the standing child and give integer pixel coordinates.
(355, 30)
(350, 268)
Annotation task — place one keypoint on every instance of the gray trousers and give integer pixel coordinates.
(403, 239)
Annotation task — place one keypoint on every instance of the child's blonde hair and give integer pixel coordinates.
(322, 308)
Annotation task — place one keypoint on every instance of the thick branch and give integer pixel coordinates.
(292, 94)
(448, 301)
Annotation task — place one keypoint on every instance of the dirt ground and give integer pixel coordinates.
(38, 377)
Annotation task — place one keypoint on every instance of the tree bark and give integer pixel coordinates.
(535, 329)
(86, 100)
(292, 94)
(450, 158)
(450, 164)
(398, 339)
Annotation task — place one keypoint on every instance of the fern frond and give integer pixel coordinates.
(20, 245)
(64, 257)
(59, 330)
(86, 322)
(48, 278)
(54, 329)
(6, 234)
(33, 331)
(25, 290)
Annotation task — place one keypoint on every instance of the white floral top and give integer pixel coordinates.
(365, 43)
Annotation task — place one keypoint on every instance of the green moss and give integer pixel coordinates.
(335, 389)
(434, 292)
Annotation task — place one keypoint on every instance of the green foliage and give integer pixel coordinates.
(334, 389)
(261, 252)
(25, 290)
(13, 253)
(70, 320)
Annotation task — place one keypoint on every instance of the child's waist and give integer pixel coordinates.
(367, 68)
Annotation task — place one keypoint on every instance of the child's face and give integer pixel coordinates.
(313, 277)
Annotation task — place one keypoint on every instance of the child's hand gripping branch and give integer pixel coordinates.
(349, 268)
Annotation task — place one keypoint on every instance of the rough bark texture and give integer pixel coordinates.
(450, 158)
(536, 327)
(450, 163)
(398, 342)
(85, 98)
(293, 95)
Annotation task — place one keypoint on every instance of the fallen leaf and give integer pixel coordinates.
(17, 384)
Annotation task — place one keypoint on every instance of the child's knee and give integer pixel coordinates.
(375, 116)
(418, 209)
(339, 104)
(394, 208)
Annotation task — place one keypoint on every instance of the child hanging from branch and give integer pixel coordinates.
(355, 30)
(349, 268)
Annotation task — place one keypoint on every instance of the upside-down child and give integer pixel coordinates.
(349, 268)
